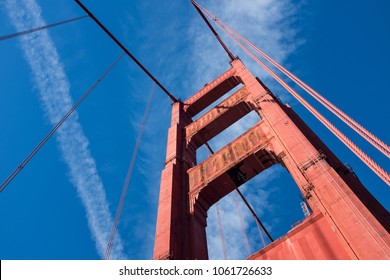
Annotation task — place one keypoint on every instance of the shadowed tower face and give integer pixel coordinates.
(347, 221)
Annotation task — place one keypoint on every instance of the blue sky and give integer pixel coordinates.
(49, 211)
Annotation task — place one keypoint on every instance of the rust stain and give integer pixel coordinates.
(218, 110)
(228, 156)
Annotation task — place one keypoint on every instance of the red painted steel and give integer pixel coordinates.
(343, 138)
(371, 138)
(313, 239)
(347, 221)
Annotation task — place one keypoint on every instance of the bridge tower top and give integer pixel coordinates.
(347, 222)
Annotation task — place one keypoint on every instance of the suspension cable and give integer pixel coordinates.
(56, 127)
(229, 53)
(6, 37)
(221, 231)
(247, 204)
(254, 215)
(372, 139)
(139, 64)
(221, 235)
(128, 178)
(261, 234)
(242, 224)
(344, 139)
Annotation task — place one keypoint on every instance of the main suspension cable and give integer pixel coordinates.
(344, 139)
(56, 127)
(371, 138)
(6, 37)
(174, 99)
(229, 53)
(128, 178)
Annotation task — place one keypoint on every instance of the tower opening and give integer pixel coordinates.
(227, 135)
(275, 198)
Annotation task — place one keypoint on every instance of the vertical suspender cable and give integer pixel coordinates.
(6, 37)
(221, 235)
(232, 57)
(128, 178)
(259, 223)
(344, 139)
(261, 234)
(242, 224)
(221, 231)
(56, 127)
(371, 138)
(229, 53)
(254, 215)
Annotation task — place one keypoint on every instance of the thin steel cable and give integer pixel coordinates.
(371, 138)
(247, 205)
(352, 146)
(128, 178)
(21, 33)
(254, 215)
(344, 139)
(248, 247)
(139, 64)
(261, 234)
(221, 235)
(351, 205)
(56, 127)
(221, 232)
(348, 200)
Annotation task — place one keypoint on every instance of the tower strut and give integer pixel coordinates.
(125, 50)
(247, 204)
(371, 138)
(242, 224)
(343, 138)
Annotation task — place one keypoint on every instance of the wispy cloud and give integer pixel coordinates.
(258, 192)
(54, 92)
(190, 59)
(267, 23)
(148, 166)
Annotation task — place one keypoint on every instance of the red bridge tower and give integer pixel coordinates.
(347, 221)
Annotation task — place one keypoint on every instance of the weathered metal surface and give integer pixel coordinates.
(226, 158)
(313, 239)
(216, 112)
(211, 92)
(348, 222)
(218, 119)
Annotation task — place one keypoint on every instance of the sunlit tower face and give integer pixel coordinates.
(341, 207)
